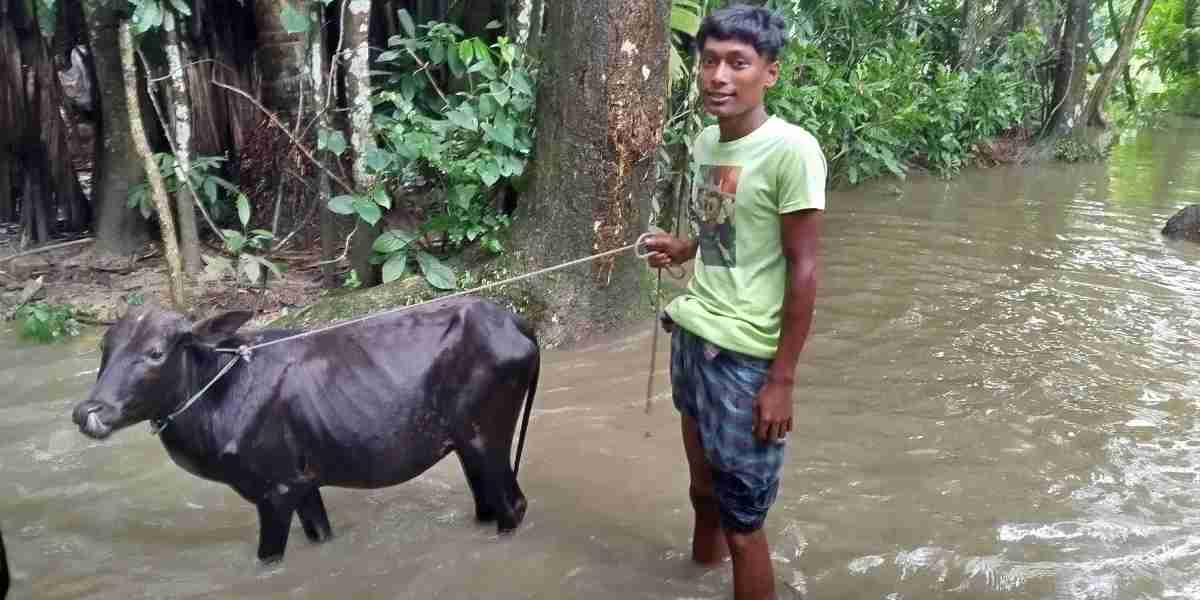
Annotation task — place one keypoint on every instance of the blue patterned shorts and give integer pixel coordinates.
(717, 388)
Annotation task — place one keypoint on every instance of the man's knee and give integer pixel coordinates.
(743, 542)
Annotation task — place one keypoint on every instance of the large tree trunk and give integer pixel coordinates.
(599, 117)
(1070, 78)
(158, 189)
(357, 29)
(1120, 58)
(1191, 20)
(968, 43)
(181, 123)
(119, 230)
(280, 58)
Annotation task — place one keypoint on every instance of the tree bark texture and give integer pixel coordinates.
(158, 190)
(362, 138)
(600, 117)
(1117, 63)
(1070, 78)
(181, 122)
(281, 58)
(968, 43)
(119, 230)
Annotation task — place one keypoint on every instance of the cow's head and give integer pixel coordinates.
(147, 363)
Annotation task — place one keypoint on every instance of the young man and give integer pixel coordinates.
(738, 331)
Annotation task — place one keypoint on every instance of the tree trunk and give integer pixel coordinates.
(1070, 78)
(967, 42)
(119, 230)
(181, 122)
(600, 118)
(158, 190)
(333, 225)
(280, 58)
(8, 210)
(362, 138)
(1191, 20)
(1019, 16)
(1120, 58)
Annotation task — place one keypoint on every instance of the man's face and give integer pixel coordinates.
(734, 77)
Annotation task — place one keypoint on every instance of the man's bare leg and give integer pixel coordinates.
(753, 575)
(709, 546)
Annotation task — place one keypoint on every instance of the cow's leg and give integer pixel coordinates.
(498, 483)
(274, 521)
(484, 511)
(314, 518)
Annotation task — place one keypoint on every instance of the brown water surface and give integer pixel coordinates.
(999, 400)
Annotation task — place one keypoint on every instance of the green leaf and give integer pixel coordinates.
(502, 133)
(437, 53)
(380, 196)
(147, 16)
(377, 159)
(210, 190)
(521, 83)
(181, 7)
(481, 51)
(463, 195)
(234, 240)
(388, 56)
(489, 172)
(367, 210)
(406, 22)
(493, 25)
(293, 20)
(342, 205)
(466, 51)
(395, 266)
(331, 140)
(436, 273)
(685, 21)
(408, 88)
(243, 208)
(501, 92)
(393, 240)
(457, 68)
(463, 120)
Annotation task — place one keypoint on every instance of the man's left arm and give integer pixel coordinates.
(800, 234)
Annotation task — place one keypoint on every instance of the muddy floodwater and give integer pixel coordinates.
(1001, 399)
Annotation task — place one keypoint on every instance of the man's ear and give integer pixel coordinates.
(220, 326)
(772, 72)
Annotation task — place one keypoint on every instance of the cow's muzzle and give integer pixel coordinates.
(87, 417)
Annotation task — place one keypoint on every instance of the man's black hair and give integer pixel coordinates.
(763, 29)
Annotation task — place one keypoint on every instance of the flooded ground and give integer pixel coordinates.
(999, 401)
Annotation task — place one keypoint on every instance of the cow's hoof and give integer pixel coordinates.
(270, 561)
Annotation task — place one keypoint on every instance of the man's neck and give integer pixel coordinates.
(742, 125)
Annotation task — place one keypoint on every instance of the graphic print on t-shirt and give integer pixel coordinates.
(712, 213)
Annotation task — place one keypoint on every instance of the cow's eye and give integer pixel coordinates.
(156, 354)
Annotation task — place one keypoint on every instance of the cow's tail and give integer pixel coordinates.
(533, 382)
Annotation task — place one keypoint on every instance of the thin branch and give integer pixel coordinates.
(345, 252)
(47, 249)
(424, 66)
(171, 74)
(162, 120)
(275, 120)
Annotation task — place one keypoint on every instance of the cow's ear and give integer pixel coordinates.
(222, 325)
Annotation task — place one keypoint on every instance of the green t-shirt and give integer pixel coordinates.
(735, 298)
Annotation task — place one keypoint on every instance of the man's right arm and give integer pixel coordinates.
(668, 250)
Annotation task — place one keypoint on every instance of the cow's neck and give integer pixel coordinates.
(189, 437)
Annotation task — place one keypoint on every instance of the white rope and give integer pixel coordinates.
(247, 352)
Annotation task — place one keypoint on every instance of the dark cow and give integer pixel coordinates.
(366, 405)
(3, 570)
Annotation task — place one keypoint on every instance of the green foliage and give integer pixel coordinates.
(47, 322)
(898, 104)
(469, 143)
(202, 173)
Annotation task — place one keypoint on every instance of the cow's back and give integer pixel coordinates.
(379, 401)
